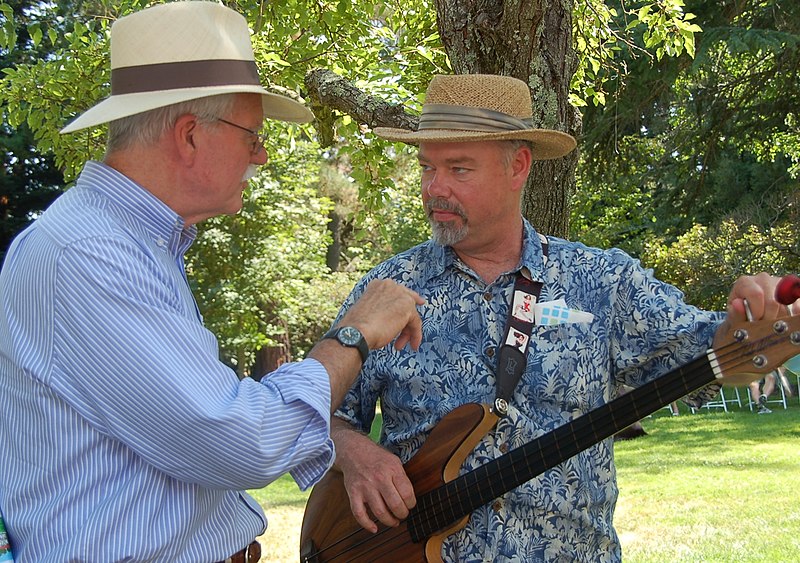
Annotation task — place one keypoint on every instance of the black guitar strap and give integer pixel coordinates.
(511, 359)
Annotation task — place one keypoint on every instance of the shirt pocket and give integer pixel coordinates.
(568, 367)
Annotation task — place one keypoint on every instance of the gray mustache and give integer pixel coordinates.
(440, 204)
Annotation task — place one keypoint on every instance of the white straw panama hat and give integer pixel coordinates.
(180, 51)
(480, 107)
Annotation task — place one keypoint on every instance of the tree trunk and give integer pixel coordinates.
(530, 40)
(335, 248)
(269, 358)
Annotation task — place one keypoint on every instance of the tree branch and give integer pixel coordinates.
(329, 92)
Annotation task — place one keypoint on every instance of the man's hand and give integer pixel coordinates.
(373, 477)
(759, 293)
(752, 298)
(385, 311)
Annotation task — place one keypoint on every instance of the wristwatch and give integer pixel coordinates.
(352, 338)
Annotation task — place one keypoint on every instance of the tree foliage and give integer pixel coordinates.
(390, 47)
(253, 273)
(690, 148)
(706, 259)
(246, 270)
(29, 180)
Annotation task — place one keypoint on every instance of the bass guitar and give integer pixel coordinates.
(445, 499)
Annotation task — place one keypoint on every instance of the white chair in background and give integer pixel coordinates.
(722, 401)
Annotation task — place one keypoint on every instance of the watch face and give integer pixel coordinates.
(349, 336)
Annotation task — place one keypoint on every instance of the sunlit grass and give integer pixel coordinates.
(710, 487)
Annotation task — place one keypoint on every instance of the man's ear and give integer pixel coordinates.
(521, 166)
(185, 136)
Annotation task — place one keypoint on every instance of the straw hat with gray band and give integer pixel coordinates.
(180, 51)
(480, 107)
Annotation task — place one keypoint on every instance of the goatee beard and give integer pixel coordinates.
(446, 233)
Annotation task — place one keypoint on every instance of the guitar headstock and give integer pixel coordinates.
(751, 349)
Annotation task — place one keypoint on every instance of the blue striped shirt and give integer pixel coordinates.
(123, 437)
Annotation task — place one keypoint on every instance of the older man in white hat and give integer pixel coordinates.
(599, 321)
(124, 438)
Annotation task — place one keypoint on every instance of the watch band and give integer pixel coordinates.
(350, 337)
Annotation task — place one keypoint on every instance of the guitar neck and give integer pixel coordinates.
(445, 505)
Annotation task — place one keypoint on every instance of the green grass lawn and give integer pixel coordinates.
(710, 486)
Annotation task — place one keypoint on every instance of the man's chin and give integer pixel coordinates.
(446, 233)
(235, 207)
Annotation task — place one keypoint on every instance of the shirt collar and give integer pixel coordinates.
(533, 258)
(532, 262)
(165, 228)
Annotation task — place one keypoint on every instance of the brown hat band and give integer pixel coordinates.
(187, 74)
(448, 116)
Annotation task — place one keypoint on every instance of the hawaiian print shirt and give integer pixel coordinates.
(641, 329)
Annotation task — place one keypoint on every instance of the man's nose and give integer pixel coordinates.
(436, 186)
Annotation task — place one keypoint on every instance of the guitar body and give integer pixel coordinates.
(330, 533)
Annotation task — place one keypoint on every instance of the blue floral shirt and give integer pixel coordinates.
(641, 329)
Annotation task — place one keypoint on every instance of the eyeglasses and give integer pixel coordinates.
(258, 143)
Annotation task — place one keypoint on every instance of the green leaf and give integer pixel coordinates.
(35, 31)
(8, 38)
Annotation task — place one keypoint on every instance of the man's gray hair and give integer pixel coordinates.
(147, 127)
(510, 148)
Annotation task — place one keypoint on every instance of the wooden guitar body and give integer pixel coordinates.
(330, 533)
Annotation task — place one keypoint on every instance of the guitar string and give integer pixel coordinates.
(536, 460)
(393, 534)
(433, 512)
(433, 519)
(543, 454)
(551, 444)
(434, 516)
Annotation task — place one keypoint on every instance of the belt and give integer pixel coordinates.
(250, 554)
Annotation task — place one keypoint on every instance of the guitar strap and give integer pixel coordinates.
(511, 359)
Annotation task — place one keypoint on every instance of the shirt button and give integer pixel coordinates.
(490, 351)
(487, 296)
(497, 505)
(504, 448)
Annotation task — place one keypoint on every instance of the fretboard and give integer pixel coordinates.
(450, 502)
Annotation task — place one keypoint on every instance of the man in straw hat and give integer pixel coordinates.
(601, 321)
(124, 437)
